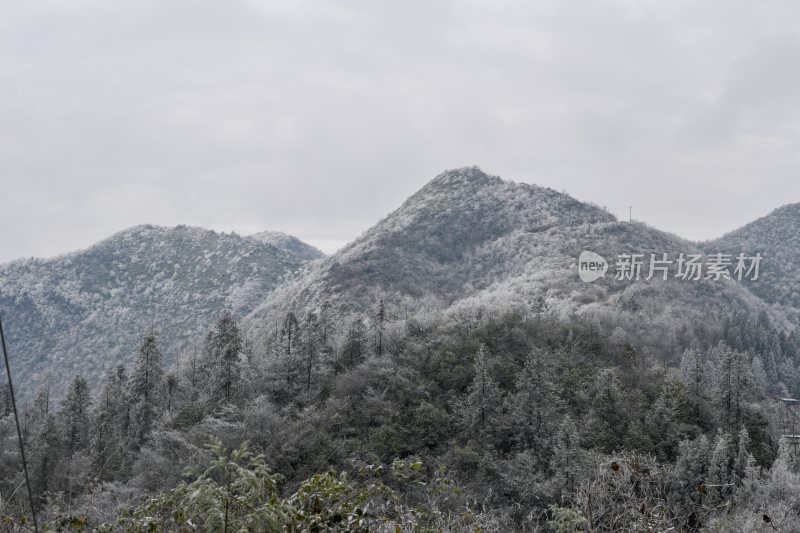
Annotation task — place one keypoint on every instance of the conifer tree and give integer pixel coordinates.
(484, 401)
(227, 347)
(535, 404)
(75, 415)
(144, 388)
(567, 462)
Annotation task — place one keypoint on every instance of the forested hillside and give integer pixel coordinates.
(511, 422)
(446, 371)
(84, 312)
(777, 237)
(470, 243)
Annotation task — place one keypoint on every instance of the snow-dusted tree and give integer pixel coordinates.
(170, 387)
(483, 405)
(743, 457)
(731, 382)
(147, 371)
(784, 479)
(354, 347)
(111, 423)
(568, 460)
(758, 377)
(608, 409)
(380, 326)
(535, 405)
(326, 325)
(144, 388)
(226, 350)
(41, 401)
(690, 473)
(721, 467)
(75, 415)
(289, 347)
(663, 426)
(312, 341)
(290, 331)
(692, 371)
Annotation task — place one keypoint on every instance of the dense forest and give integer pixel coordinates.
(480, 422)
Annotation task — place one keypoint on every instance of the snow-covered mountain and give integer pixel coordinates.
(288, 243)
(86, 311)
(777, 237)
(469, 242)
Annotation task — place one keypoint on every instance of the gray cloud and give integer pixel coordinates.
(317, 118)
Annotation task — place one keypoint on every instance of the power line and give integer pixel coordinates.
(19, 433)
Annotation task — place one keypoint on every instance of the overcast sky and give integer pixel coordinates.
(319, 118)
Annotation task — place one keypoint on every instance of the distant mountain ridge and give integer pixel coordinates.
(430, 246)
(466, 243)
(471, 242)
(288, 244)
(777, 237)
(86, 311)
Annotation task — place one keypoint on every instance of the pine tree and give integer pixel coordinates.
(692, 371)
(380, 326)
(147, 372)
(326, 325)
(42, 400)
(111, 423)
(743, 457)
(354, 347)
(484, 401)
(691, 471)
(535, 404)
(663, 419)
(227, 345)
(784, 479)
(75, 415)
(568, 458)
(290, 331)
(731, 382)
(609, 409)
(144, 388)
(311, 337)
(758, 377)
(290, 339)
(721, 466)
(170, 386)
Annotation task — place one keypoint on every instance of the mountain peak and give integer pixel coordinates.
(788, 210)
(776, 238)
(287, 243)
(464, 175)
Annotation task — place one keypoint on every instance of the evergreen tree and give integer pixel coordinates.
(663, 420)
(227, 345)
(743, 457)
(290, 340)
(484, 402)
(690, 473)
(144, 388)
(111, 423)
(721, 465)
(170, 386)
(758, 377)
(535, 405)
(380, 327)
(75, 415)
(290, 331)
(354, 347)
(312, 340)
(567, 464)
(731, 383)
